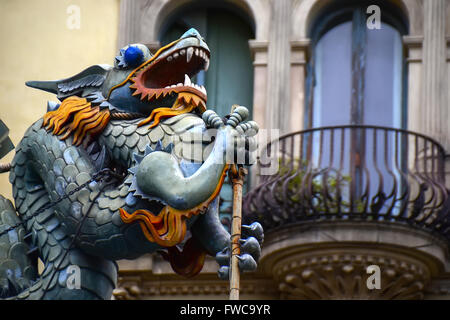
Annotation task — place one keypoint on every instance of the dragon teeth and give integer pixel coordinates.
(189, 53)
(206, 64)
(187, 80)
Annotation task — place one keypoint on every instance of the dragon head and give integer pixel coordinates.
(162, 80)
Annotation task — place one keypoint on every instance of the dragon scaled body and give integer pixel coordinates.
(139, 120)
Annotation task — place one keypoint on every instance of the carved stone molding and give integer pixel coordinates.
(439, 288)
(145, 285)
(343, 275)
(127, 292)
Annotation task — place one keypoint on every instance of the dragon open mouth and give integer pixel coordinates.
(169, 72)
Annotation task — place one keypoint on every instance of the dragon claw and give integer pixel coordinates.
(251, 245)
(223, 257)
(212, 119)
(224, 273)
(248, 128)
(247, 262)
(239, 115)
(237, 133)
(254, 230)
(250, 251)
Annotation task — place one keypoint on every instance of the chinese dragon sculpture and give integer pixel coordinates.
(109, 173)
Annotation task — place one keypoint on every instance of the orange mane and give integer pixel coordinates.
(76, 115)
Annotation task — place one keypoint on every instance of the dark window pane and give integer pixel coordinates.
(382, 91)
(332, 90)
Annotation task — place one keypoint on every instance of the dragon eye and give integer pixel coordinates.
(133, 56)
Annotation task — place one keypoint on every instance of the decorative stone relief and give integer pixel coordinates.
(344, 276)
(203, 285)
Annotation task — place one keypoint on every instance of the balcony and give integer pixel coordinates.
(346, 197)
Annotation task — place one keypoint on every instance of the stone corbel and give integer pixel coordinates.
(413, 48)
(300, 51)
(259, 49)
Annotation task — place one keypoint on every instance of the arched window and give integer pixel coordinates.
(356, 76)
(229, 79)
(356, 73)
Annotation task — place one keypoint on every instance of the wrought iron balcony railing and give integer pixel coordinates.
(353, 172)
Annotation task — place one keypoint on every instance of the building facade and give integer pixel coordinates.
(358, 92)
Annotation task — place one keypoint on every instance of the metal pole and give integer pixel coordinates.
(237, 175)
